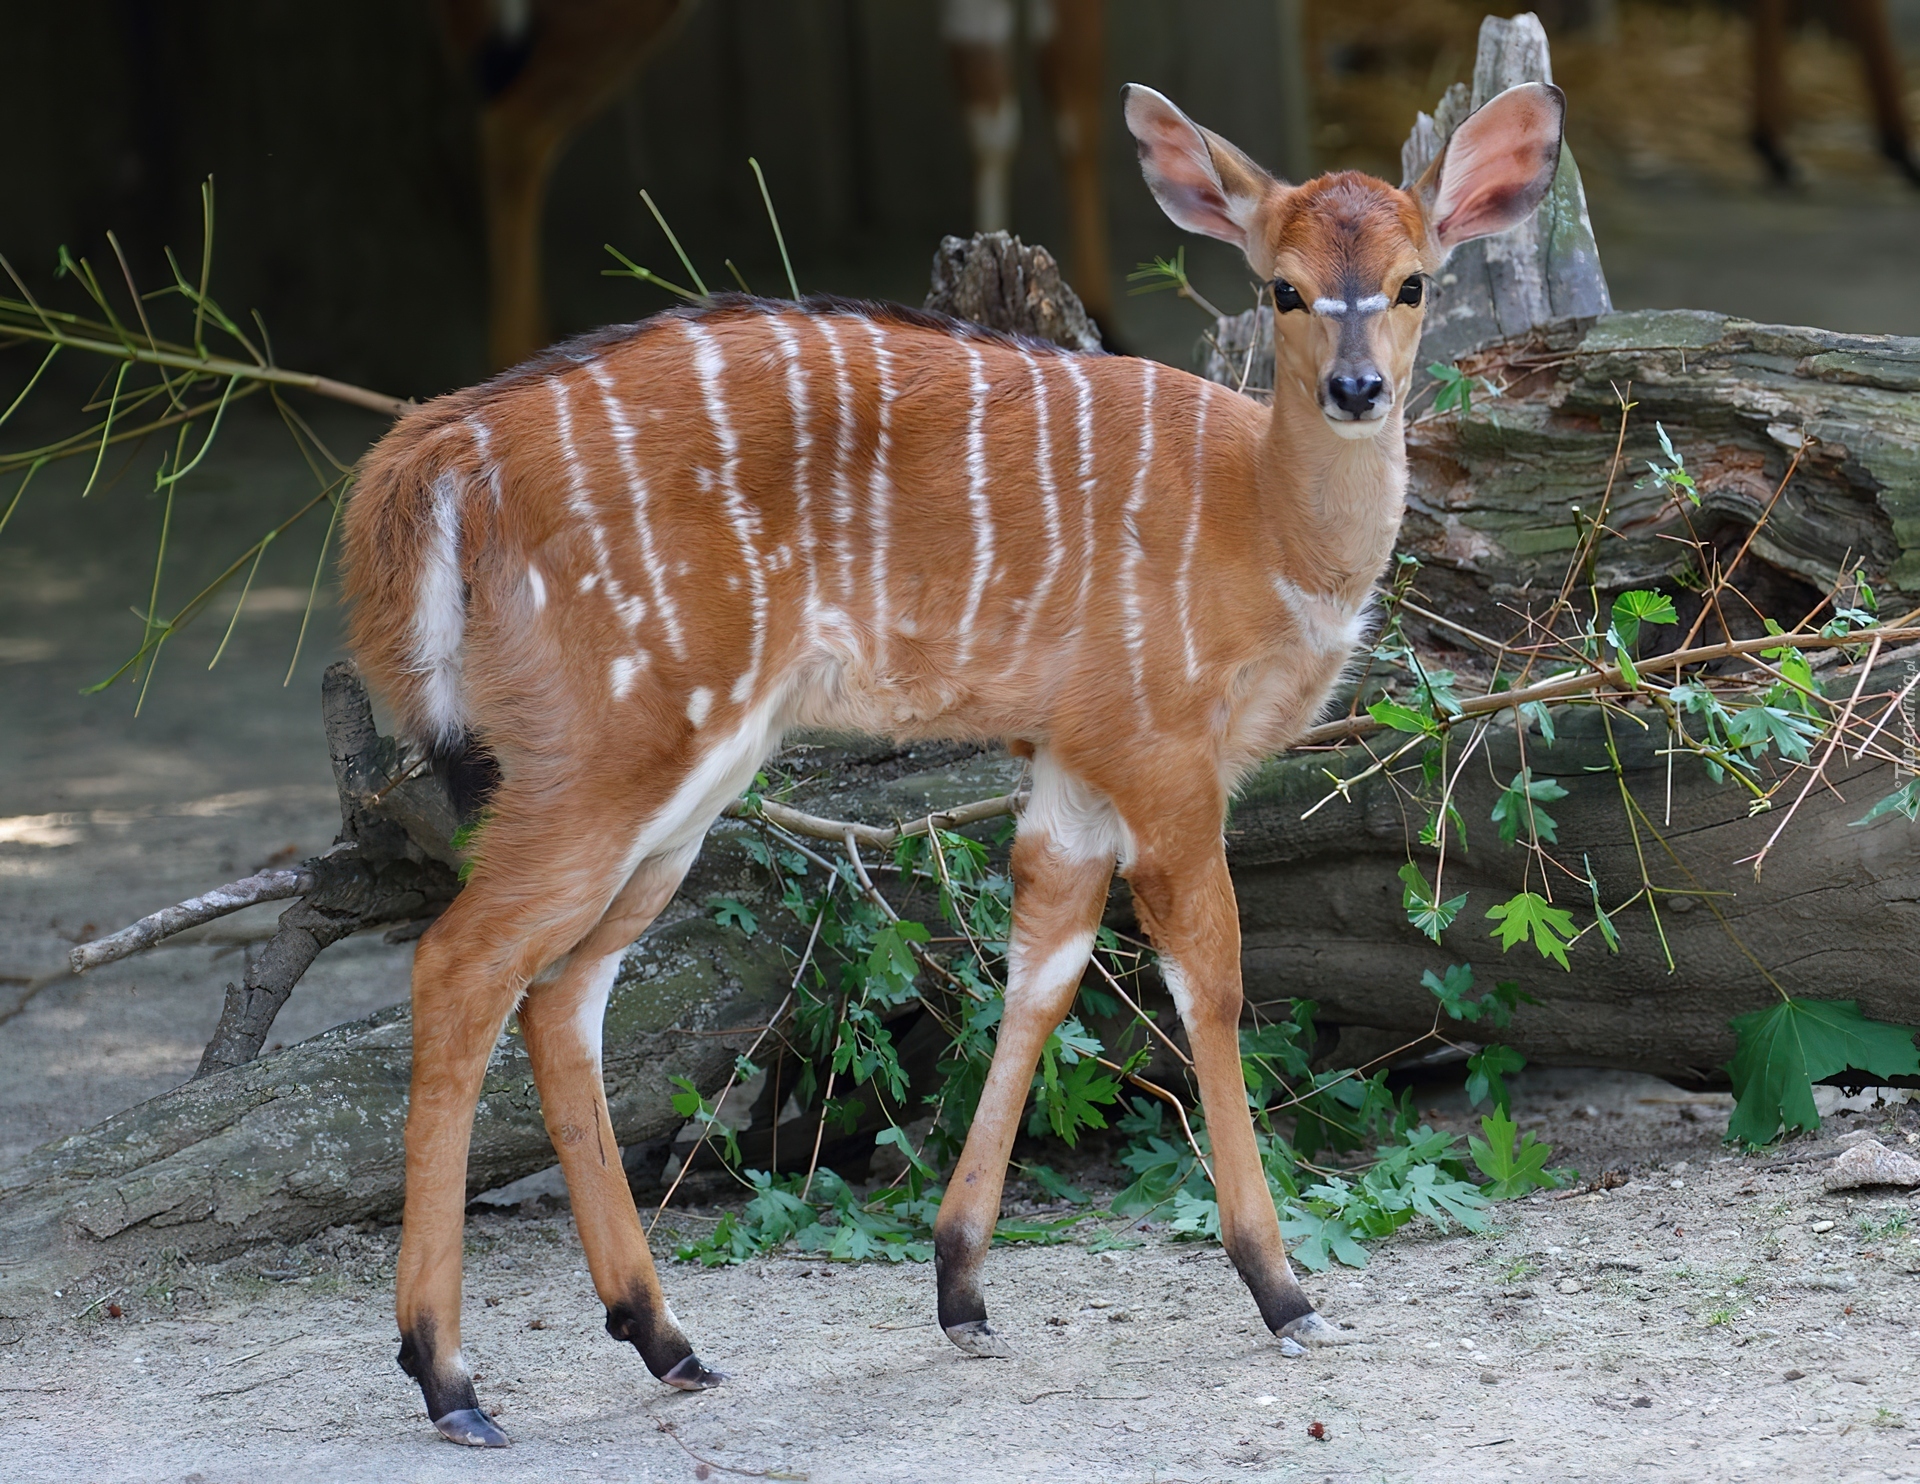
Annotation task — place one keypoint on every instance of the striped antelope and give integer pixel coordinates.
(625, 569)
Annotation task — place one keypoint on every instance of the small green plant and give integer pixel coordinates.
(1891, 1226)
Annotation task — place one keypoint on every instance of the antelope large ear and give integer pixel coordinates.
(1497, 167)
(1200, 180)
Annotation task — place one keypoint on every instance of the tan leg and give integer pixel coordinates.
(979, 38)
(1185, 900)
(1770, 103)
(544, 878)
(561, 1019)
(1060, 881)
(1073, 79)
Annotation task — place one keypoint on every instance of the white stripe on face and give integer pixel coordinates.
(711, 368)
(978, 502)
(639, 497)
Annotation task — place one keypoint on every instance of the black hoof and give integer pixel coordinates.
(471, 1428)
(691, 1375)
(977, 1338)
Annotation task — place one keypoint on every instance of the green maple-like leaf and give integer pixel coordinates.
(1509, 1171)
(1782, 1051)
(1526, 915)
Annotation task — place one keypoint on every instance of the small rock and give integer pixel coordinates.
(1821, 1227)
(1642, 1401)
(1120, 1316)
(1466, 1344)
(1569, 1285)
(1487, 1378)
(1672, 1254)
(1871, 1163)
(1794, 1376)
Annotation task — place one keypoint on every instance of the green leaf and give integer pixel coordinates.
(1509, 1172)
(1454, 390)
(1438, 1196)
(1903, 800)
(1431, 917)
(1631, 609)
(896, 1136)
(1403, 718)
(1754, 727)
(1057, 1187)
(1518, 808)
(1487, 1070)
(1528, 914)
(729, 912)
(1316, 1239)
(688, 1102)
(1782, 1051)
(1452, 989)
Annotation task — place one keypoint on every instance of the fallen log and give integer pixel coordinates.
(310, 1137)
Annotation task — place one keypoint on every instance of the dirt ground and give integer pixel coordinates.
(1716, 1318)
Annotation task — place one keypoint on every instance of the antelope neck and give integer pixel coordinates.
(1332, 505)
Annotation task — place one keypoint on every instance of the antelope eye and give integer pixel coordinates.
(1286, 296)
(1412, 291)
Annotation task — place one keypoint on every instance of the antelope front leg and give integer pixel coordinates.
(1057, 899)
(1186, 902)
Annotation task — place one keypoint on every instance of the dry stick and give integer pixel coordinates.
(725, 1468)
(720, 1102)
(1564, 686)
(838, 831)
(1835, 732)
(249, 891)
(1160, 1092)
(1114, 985)
(1893, 709)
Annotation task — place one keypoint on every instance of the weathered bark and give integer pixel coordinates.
(310, 1137)
(1836, 913)
(995, 279)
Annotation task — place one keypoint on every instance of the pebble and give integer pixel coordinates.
(1466, 1344)
(1672, 1254)
(1822, 1226)
(1487, 1378)
(1569, 1285)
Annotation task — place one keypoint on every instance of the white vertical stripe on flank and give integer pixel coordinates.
(440, 616)
(483, 445)
(800, 412)
(1183, 584)
(1049, 506)
(1133, 553)
(580, 502)
(1083, 434)
(711, 367)
(843, 455)
(638, 497)
(879, 497)
(977, 500)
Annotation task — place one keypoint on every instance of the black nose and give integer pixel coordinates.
(1355, 394)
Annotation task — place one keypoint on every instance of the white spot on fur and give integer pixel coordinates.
(1134, 553)
(1329, 306)
(537, 585)
(1083, 825)
(1175, 978)
(1372, 304)
(620, 675)
(1060, 969)
(698, 705)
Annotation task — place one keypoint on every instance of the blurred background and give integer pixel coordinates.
(346, 144)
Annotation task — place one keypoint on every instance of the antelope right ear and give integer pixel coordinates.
(1202, 182)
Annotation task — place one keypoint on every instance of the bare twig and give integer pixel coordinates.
(725, 1468)
(873, 837)
(249, 891)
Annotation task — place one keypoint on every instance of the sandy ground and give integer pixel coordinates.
(1715, 1318)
